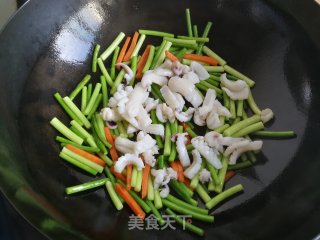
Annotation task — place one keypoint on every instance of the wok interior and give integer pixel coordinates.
(252, 36)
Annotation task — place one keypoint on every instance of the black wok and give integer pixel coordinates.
(47, 48)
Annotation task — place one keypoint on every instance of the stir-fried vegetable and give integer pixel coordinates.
(137, 125)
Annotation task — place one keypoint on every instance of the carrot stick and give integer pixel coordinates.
(187, 182)
(142, 62)
(86, 155)
(123, 51)
(170, 56)
(132, 46)
(175, 167)
(130, 201)
(229, 175)
(205, 59)
(117, 175)
(188, 139)
(129, 174)
(185, 126)
(144, 185)
(113, 151)
(180, 172)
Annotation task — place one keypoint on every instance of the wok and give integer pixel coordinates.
(47, 47)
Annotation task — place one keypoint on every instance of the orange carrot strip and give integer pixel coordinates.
(108, 135)
(129, 174)
(180, 171)
(123, 51)
(185, 126)
(144, 185)
(229, 175)
(188, 139)
(174, 166)
(187, 182)
(117, 175)
(130, 201)
(86, 155)
(142, 62)
(205, 59)
(113, 151)
(132, 46)
(170, 56)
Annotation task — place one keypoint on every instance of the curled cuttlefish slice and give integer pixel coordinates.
(192, 77)
(195, 167)
(149, 158)
(238, 148)
(156, 129)
(144, 142)
(199, 70)
(121, 95)
(151, 77)
(125, 145)
(185, 116)
(131, 129)
(187, 89)
(236, 90)
(151, 104)
(181, 85)
(180, 101)
(163, 176)
(143, 117)
(165, 190)
(195, 98)
(159, 175)
(207, 104)
(129, 73)
(220, 109)
(213, 120)
(217, 140)
(109, 115)
(178, 68)
(181, 141)
(208, 153)
(198, 119)
(165, 113)
(169, 97)
(163, 71)
(136, 98)
(170, 174)
(127, 159)
(205, 176)
(266, 115)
